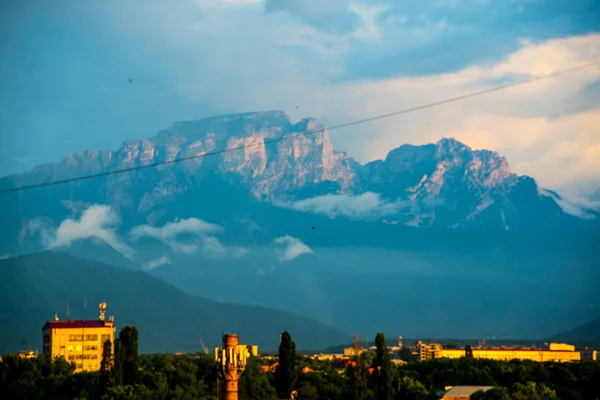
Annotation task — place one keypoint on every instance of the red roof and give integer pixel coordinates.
(77, 324)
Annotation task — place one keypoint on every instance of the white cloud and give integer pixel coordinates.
(293, 247)
(364, 206)
(576, 204)
(201, 240)
(213, 247)
(169, 232)
(533, 125)
(6, 256)
(157, 262)
(543, 128)
(96, 222)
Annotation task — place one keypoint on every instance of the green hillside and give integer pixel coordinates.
(35, 287)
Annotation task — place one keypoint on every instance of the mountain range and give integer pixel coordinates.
(435, 240)
(446, 184)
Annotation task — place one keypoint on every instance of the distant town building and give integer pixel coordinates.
(80, 342)
(558, 352)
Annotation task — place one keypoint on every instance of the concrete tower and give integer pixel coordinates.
(231, 362)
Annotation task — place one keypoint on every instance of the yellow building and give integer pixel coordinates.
(79, 342)
(351, 351)
(429, 351)
(561, 347)
(559, 352)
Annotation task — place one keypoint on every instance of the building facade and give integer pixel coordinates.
(558, 352)
(80, 342)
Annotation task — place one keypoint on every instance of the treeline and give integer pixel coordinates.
(370, 376)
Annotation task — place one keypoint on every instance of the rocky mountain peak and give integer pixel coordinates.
(268, 124)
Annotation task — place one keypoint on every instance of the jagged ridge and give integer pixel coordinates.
(445, 184)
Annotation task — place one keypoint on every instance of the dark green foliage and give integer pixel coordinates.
(118, 363)
(128, 354)
(106, 366)
(382, 370)
(169, 377)
(254, 384)
(357, 378)
(285, 374)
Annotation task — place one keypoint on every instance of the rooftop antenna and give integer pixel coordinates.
(85, 308)
(68, 312)
(56, 316)
(102, 307)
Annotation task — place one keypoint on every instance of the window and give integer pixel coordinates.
(75, 338)
(46, 338)
(105, 338)
(91, 338)
(92, 347)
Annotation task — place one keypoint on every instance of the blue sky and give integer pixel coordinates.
(65, 69)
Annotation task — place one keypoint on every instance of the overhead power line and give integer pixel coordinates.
(308, 132)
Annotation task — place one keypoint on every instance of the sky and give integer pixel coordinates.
(66, 66)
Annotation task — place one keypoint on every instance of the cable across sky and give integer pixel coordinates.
(308, 132)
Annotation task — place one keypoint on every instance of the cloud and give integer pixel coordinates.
(293, 247)
(364, 206)
(169, 232)
(251, 226)
(188, 236)
(577, 207)
(576, 203)
(96, 222)
(331, 16)
(157, 262)
(372, 58)
(172, 229)
(6, 256)
(213, 247)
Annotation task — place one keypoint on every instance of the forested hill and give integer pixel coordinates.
(35, 287)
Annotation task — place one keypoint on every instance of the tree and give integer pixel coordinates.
(254, 384)
(410, 389)
(285, 374)
(128, 337)
(382, 369)
(106, 366)
(118, 364)
(468, 351)
(497, 393)
(357, 373)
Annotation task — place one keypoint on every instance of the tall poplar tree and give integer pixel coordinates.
(128, 337)
(106, 365)
(285, 374)
(382, 370)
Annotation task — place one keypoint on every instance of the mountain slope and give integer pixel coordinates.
(588, 333)
(34, 287)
